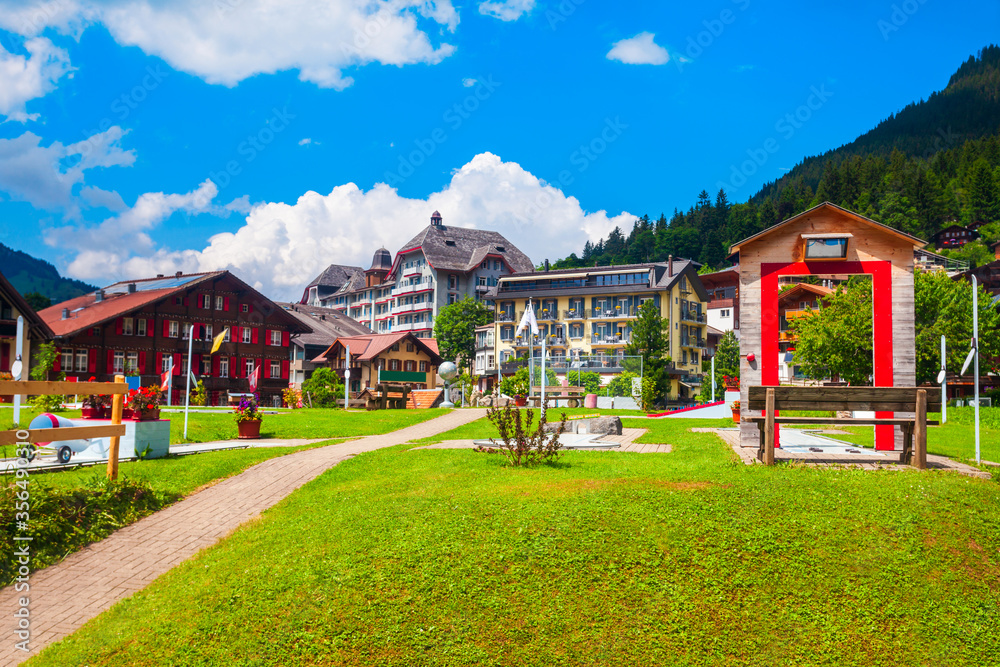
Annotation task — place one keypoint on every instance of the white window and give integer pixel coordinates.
(244, 308)
(184, 364)
(275, 369)
(248, 366)
(423, 366)
(228, 334)
(206, 365)
(496, 265)
(206, 301)
(140, 327)
(81, 361)
(173, 328)
(245, 333)
(452, 298)
(482, 281)
(187, 330)
(452, 281)
(119, 362)
(128, 326)
(207, 332)
(165, 363)
(132, 362)
(67, 360)
(223, 367)
(219, 302)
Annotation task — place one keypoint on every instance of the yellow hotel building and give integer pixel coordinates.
(589, 313)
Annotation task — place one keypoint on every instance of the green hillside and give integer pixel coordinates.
(29, 274)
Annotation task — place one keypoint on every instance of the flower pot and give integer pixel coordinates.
(249, 430)
(520, 401)
(736, 416)
(91, 413)
(147, 415)
(126, 413)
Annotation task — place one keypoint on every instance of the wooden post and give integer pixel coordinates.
(117, 403)
(920, 431)
(907, 456)
(769, 428)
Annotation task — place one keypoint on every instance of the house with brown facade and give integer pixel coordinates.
(327, 326)
(12, 306)
(142, 327)
(398, 358)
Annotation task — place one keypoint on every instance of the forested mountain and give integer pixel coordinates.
(29, 274)
(935, 162)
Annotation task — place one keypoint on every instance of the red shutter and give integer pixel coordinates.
(284, 369)
(92, 361)
(185, 301)
(111, 362)
(149, 327)
(142, 362)
(159, 363)
(243, 367)
(267, 368)
(215, 366)
(118, 327)
(166, 328)
(177, 363)
(253, 335)
(58, 365)
(196, 364)
(236, 334)
(284, 339)
(225, 303)
(249, 307)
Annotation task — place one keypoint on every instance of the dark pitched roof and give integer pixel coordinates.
(37, 328)
(86, 311)
(464, 248)
(334, 276)
(827, 205)
(327, 324)
(367, 347)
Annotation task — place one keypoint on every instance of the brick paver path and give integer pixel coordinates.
(66, 595)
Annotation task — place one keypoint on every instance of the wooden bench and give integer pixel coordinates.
(573, 394)
(865, 399)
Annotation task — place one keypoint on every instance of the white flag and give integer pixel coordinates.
(528, 321)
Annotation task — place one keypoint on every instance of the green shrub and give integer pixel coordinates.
(621, 385)
(323, 390)
(62, 520)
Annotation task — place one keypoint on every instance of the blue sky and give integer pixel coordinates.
(274, 138)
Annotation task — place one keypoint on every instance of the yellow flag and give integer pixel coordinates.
(218, 341)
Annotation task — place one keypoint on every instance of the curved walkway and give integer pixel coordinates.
(66, 595)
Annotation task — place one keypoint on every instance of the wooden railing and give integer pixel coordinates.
(118, 389)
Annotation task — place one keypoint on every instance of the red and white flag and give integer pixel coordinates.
(254, 378)
(165, 377)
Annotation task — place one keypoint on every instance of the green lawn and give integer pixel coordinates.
(309, 423)
(445, 557)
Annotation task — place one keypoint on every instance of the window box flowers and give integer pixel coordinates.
(144, 403)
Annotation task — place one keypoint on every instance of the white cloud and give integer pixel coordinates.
(305, 142)
(24, 78)
(639, 50)
(45, 176)
(506, 10)
(469, 83)
(281, 247)
(227, 41)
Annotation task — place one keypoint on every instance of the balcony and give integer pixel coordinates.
(556, 341)
(482, 289)
(547, 314)
(505, 316)
(610, 340)
(575, 314)
(406, 308)
(687, 316)
(696, 343)
(413, 289)
(522, 341)
(413, 271)
(616, 313)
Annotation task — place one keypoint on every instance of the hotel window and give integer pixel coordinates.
(496, 265)
(219, 302)
(482, 281)
(172, 329)
(410, 366)
(423, 366)
(245, 333)
(224, 367)
(128, 326)
(275, 337)
(275, 369)
(140, 327)
(394, 364)
(452, 281)
(119, 362)
(248, 367)
(132, 363)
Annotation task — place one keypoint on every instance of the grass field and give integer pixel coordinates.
(446, 557)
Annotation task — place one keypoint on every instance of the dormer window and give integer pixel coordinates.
(825, 246)
(449, 243)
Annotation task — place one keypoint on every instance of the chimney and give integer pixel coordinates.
(65, 313)
(159, 275)
(670, 266)
(131, 288)
(178, 274)
(546, 265)
(99, 296)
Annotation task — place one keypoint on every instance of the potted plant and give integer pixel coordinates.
(736, 411)
(144, 403)
(248, 418)
(731, 383)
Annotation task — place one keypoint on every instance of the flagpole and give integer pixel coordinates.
(531, 352)
(543, 378)
(170, 380)
(187, 393)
